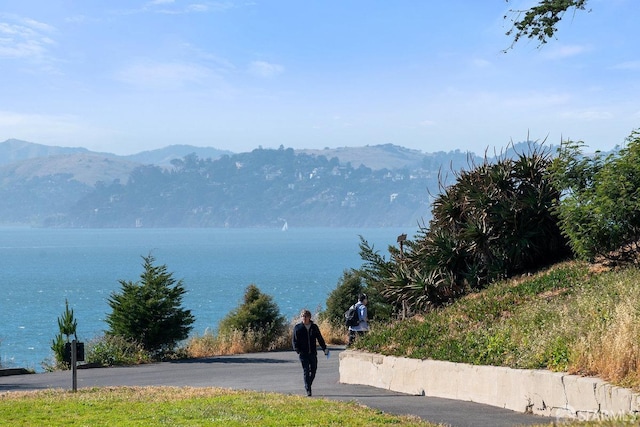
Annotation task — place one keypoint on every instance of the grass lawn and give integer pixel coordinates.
(184, 406)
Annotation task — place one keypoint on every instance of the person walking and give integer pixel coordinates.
(305, 335)
(363, 323)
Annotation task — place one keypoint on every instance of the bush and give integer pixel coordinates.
(149, 312)
(351, 284)
(113, 350)
(496, 221)
(342, 297)
(600, 208)
(257, 317)
(234, 342)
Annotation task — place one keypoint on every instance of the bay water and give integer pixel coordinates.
(41, 268)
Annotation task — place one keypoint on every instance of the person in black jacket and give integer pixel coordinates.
(304, 339)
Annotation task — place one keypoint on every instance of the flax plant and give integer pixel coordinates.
(495, 222)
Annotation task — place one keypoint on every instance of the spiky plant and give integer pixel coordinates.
(495, 221)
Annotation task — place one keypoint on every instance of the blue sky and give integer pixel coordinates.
(127, 76)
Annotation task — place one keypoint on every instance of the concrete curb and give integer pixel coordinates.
(523, 390)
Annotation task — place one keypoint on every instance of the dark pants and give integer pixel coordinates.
(309, 368)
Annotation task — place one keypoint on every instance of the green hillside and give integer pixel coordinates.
(567, 318)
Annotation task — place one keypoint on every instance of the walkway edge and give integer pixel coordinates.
(540, 392)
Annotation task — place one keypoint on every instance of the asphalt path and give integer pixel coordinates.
(279, 372)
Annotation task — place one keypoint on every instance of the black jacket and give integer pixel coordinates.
(305, 342)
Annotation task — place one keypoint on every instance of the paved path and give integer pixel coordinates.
(279, 372)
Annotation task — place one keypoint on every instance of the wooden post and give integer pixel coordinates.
(74, 370)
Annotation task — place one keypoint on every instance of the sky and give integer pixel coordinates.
(128, 76)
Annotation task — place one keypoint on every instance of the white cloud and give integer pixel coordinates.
(629, 65)
(170, 7)
(588, 115)
(37, 25)
(75, 19)
(265, 69)
(197, 7)
(566, 51)
(169, 75)
(480, 63)
(217, 62)
(537, 100)
(25, 38)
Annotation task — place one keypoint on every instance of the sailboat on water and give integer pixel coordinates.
(285, 227)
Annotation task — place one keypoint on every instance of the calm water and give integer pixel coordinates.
(40, 268)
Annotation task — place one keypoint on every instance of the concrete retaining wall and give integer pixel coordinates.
(523, 390)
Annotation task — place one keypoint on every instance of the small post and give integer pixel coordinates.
(401, 239)
(74, 369)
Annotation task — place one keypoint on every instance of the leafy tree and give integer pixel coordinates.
(351, 284)
(343, 296)
(600, 209)
(540, 22)
(149, 311)
(259, 314)
(67, 326)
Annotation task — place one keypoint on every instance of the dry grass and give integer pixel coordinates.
(332, 334)
(600, 320)
(238, 342)
(612, 349)
(235, 342)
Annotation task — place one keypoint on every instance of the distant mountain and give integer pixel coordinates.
(85, 167)
(263, 188)
(387, 156)
(14, 150)
(22, 160)
(370, 186)
(376, 157)
(164, 156)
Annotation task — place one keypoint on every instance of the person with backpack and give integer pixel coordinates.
(305, 335)
(363, 320)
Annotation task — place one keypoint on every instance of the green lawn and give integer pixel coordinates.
(185, 406)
